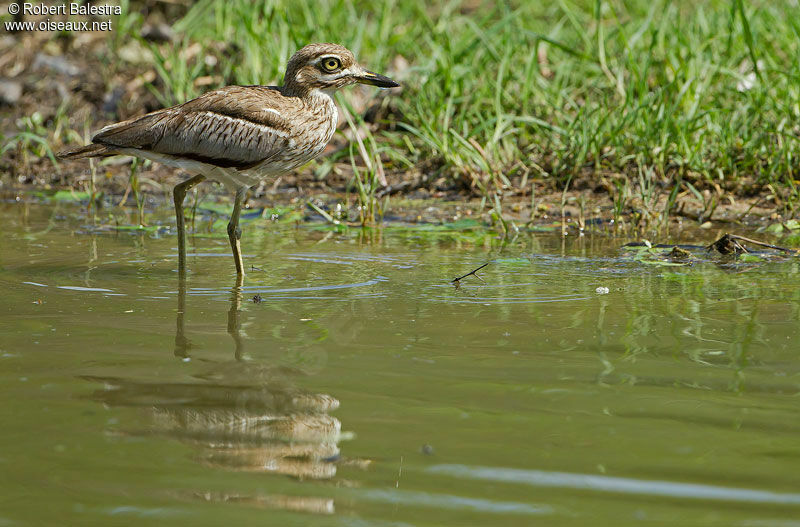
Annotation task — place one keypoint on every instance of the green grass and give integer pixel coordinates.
(654, 95)
(706, 92)
(654, 81)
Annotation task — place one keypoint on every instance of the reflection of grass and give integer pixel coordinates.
(212, 219)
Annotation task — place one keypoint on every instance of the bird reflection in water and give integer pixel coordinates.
(240, 415)
(183, 344)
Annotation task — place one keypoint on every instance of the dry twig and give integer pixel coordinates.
(457, 280)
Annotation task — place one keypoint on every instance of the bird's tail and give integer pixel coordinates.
(92, 150)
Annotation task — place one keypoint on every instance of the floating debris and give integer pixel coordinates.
(457, 281)
(732, 244)
(727, 245)
(680, 254)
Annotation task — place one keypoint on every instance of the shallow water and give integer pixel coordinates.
(365, 389)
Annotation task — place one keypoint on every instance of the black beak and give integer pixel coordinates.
(375, 79)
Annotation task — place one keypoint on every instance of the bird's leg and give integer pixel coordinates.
(234, 232)
(178, 196)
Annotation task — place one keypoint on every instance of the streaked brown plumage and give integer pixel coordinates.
(239, 135)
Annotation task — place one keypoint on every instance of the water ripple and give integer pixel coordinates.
(511, 299)
(200, 291)
(447, 501)
(540, 478)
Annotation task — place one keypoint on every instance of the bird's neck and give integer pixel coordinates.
(293, 89)
(312, 97)
(319, 97)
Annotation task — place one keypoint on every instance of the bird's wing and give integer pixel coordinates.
(236, 126)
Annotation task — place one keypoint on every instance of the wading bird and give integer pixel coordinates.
(240, 135)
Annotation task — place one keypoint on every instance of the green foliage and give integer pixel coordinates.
(661, 88)
(366, 182)
(31, 139)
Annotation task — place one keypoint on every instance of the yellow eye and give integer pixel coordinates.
(331, 64)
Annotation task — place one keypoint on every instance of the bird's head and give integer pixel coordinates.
(328, 67)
